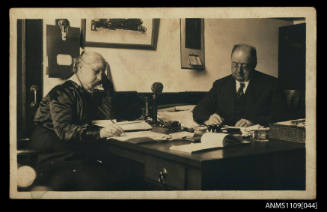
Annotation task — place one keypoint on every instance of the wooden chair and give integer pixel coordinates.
(295, 101)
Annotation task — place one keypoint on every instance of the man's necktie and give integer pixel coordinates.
(240, 90)
(239, 103)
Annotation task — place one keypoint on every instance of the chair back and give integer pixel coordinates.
(295, 101)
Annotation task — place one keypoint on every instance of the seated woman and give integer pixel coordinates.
(71, 148)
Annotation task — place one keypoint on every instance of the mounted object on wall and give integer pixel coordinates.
(63, 47)
(129, 33)
(192, 43)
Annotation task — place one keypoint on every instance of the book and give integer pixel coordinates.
(208, 141)
(291, 130)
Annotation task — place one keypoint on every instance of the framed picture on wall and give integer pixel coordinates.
(130, 33)
(192, 43)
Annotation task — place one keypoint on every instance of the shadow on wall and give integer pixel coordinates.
(199, 73)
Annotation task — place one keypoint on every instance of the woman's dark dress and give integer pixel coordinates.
(71, 154)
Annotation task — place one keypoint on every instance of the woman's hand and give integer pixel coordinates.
(111, 131)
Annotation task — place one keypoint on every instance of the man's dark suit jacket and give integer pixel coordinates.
(264, 102)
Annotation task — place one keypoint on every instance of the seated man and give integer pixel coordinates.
(244, 98)
(70, 146)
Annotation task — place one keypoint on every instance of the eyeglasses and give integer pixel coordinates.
(243, 65)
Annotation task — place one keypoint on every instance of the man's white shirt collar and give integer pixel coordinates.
(238, 84)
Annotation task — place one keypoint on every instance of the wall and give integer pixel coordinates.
(224, 33)
(138, 69)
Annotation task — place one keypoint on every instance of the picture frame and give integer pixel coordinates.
(192, 43)
(120, 33)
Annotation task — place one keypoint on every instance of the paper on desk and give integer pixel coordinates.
(208, 141)
(185, 118)
(288, 123)
(181, 135)
(296, 122)
(125, 125)
(145, 135)
(103, 123)
(184, 107)
(246, 131)
(177, 108)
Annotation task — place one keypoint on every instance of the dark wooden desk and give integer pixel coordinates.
(272, 165)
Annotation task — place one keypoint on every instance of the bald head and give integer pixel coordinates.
(244, 60)
(92, 58)
(247, 50)
(91, 68)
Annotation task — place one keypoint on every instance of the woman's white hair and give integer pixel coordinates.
(88, 57)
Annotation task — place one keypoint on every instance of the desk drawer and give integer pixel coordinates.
(171, 173)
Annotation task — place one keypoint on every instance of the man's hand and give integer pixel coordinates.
(111, 131)
(243, 123)
(214, 119)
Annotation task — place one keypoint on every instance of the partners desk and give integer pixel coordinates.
(272, 165)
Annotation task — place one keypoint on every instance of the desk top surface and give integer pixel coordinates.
(161, 149)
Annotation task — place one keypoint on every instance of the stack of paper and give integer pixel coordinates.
(297, 122)
(125, 125)
(245, 131)
(134, 125)
(185, 118)
(103, 123)
(177, 108)
(181, 135)
(141, 137)
(182, 114)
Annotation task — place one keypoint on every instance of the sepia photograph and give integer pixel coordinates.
(176, 103)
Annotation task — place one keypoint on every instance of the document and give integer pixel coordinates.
(177, 108)
(181, 135)
(127, 126)
(296, 122)
(182, 114)
(208, 141)
(185, 118)
(244, 131)
(142, 137)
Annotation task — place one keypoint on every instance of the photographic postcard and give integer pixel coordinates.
(141, 51)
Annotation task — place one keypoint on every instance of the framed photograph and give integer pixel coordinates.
(130, 33)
